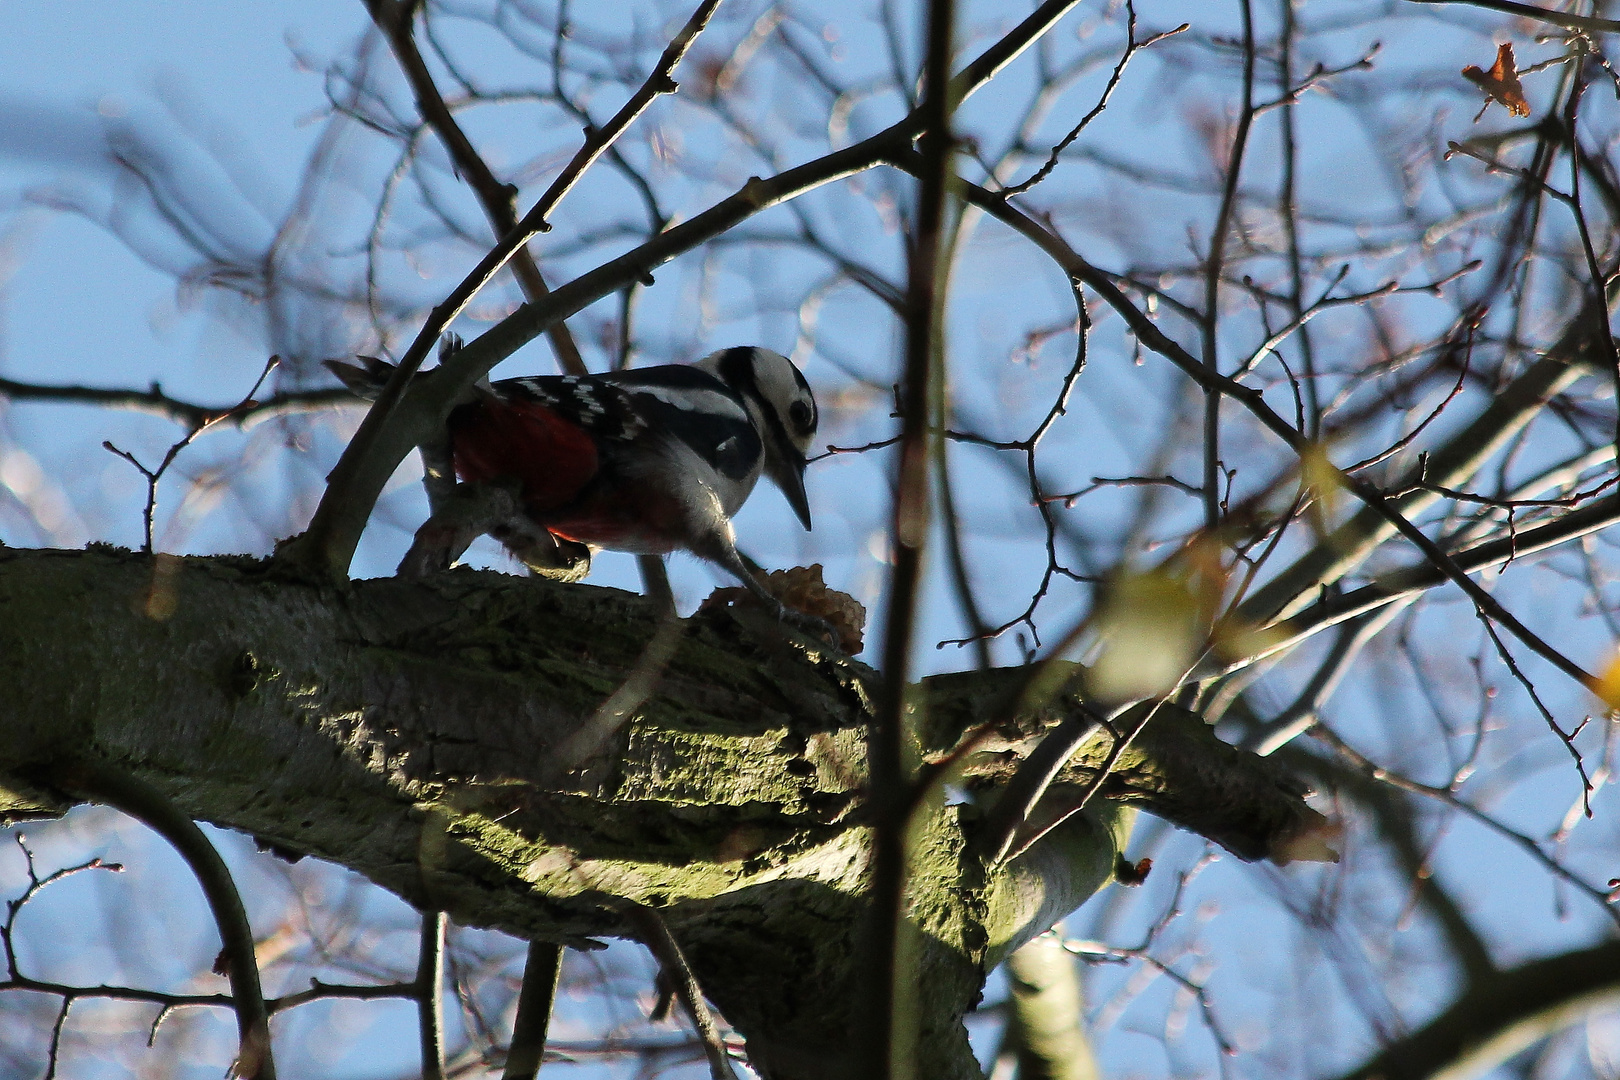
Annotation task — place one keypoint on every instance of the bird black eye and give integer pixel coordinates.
(799, 413)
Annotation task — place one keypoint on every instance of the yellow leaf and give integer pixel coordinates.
(1154, 623)
(1607, 685)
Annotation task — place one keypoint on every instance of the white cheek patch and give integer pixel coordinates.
(778, 383)
(775, 380)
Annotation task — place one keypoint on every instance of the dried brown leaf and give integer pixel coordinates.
(1501, 83)
(802, 589)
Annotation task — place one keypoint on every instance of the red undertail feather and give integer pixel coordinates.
(553, 459)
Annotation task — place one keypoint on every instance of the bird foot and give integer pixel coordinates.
(813, 625)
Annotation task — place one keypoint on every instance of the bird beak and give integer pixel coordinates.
(786, 469)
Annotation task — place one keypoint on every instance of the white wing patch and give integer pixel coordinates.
(696, 399)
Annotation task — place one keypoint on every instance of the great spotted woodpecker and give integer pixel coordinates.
(648, 460)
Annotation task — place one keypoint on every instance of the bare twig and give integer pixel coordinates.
(155, 476)
(193, 416)
(1131, 48)
(15, 979)
(1098, 952)
(1566, 737)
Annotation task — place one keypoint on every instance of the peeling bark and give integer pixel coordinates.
(405, 730)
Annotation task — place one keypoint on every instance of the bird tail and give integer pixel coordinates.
(365, 379)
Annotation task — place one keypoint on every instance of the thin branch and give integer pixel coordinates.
(654, 933)
(396, 19)
(189, 414)
(155, 476)
(350, 492)
(1400, 585)
(956, 557)
(1121, 742)
(147, 804)
(1566, 737)
(1594, 273)
(1212, 279)
(429, 1000)
(1267, 738)
(885, 1037)
(1565, 19)
(1098, 952)
(321, 991)
(1131, 48)
(1499, 1015)
(1434, 414)
(541, 970)
(1449, 797)
(1327, 302)
(55, 1049)
(1287, 213)
(1035, 774)
(1154, 338)
(990, 62)
(167, 1002)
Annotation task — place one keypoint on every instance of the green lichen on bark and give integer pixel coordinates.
(408, 730)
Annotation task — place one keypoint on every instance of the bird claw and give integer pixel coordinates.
(813, 625)
(545, 554)
(470, 510)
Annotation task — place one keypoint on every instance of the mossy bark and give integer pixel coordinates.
(407, 731)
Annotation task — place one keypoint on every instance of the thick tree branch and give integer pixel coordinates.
(1045, 1028)
(405, 730)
